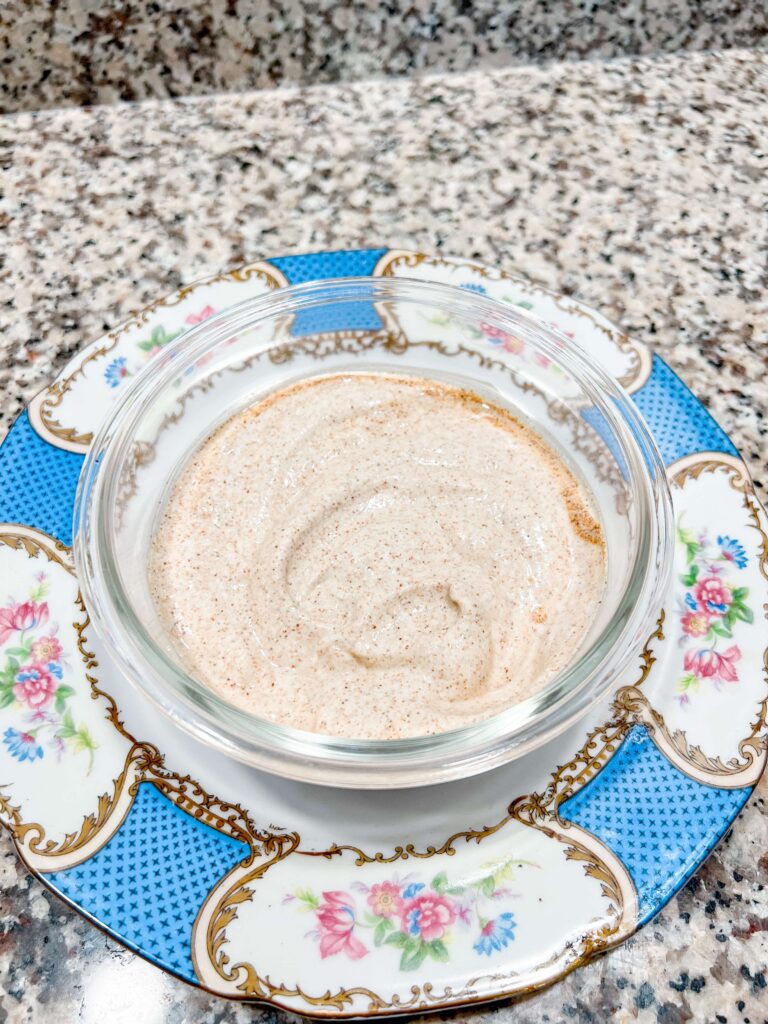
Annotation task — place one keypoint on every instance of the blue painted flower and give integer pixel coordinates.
(478, 288)
(412, 889)
(22, 745)
(55, 669)
(733, 551)
(496, 934)
(116, 371)
(691, 601)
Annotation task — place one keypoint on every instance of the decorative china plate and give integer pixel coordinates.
(348, 903)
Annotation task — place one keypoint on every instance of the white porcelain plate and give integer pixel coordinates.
(334, 903)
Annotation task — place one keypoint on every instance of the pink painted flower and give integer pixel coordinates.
(463, 913)
(385, 899)
(46, 649)
(713, 595)
(513, 345)
(18, 617)
(708, 664)
(557, 327)
(696, 623)
(427, 915)
(39, 717)
(541, 359)
(197, 318)
(493, 333)
(336, 920)
(35, 686)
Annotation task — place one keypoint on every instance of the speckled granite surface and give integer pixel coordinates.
(87, 51)
(637, 185)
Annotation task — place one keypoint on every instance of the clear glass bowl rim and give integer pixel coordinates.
(360, 762)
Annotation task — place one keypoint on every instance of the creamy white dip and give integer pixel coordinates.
(366, 555)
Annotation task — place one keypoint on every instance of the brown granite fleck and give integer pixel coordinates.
(74, 52)
(653, 211)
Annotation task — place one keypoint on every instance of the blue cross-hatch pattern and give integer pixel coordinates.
(679, 422)
(660, 822)
(358, 316)
(146, 885)
(37, 482)
(149, 881)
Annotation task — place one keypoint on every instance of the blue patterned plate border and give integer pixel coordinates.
(208, 889)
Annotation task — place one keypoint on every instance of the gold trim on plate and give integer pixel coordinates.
(143, 762)
(641, 356)
(40, 409)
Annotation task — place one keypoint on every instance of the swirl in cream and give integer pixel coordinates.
(373, 556)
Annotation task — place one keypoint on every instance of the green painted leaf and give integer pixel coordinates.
(744, 613)
(67, 728)
(6, 698)
(690, 544)
(19, 652)
(487, 886)
(398, 940)
(380, 932)
(740, 593)
(438, 951)
(717, 629)
(692, 576)
(64, 691)
(686, 683)
(84, 740)
(308, 898)
(440, 882)
(13, 664)
(161, 337)
(414, 955)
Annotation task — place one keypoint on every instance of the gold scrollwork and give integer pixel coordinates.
(634, 707)
(447, 849)
(96, 829)
(641, 358)
(241, 980)
(23, 538)
(539, 811)
(143, 762)
(689, 757)
(600, 745)
(394, 341)
(42, 405)
(691, 467)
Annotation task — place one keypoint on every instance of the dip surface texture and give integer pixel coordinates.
(372, 556)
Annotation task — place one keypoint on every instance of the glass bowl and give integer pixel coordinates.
(373, 325)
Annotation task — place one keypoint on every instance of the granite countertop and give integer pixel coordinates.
(636, 184)
(74, 52)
